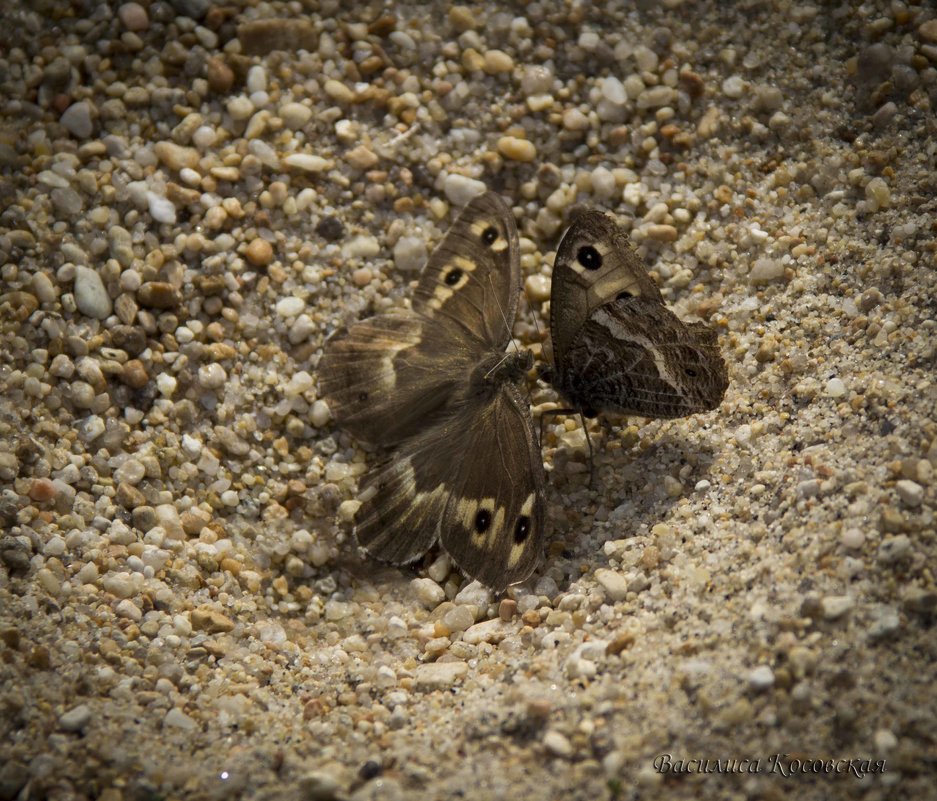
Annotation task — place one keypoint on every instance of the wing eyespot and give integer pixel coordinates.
(362, 397)
(521, 529)
(690, 371)
(490, 235)
(453, 276)
(482, 521)
(589, 257)
(624, 295)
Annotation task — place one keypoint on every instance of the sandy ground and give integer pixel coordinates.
(193, 196)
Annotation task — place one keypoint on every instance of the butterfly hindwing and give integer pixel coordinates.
(473, 479)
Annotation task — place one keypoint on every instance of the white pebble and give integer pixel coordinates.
(765, 270)
(835, 606)
(290, 307)
(761, 678)
(613, 91)
(835, 388)
(613, 582)
(166, 384)
(320, 414)
(256, 79)
(128, 610)
(299, 383)
(90, 295)
(852, 538)
(460, 189)
(557, 744)
(77, 119)
(177, 719)
(212, 376)
(307, 162)
(428, 592)
(75, 719)
(910, 492)
(409, 253)
(161, 208)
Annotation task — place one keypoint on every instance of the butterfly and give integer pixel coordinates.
(616, 347)
(434, 387)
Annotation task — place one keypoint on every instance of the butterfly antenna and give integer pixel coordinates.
(495, 366)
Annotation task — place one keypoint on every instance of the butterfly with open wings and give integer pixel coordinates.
(434, 386)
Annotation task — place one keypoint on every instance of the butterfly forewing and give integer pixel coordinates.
(472, 278)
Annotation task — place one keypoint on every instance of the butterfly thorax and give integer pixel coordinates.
(496, 369)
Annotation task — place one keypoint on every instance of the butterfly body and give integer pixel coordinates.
(435, 388)
(616, 346)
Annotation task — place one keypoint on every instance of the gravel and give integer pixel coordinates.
(194, 196)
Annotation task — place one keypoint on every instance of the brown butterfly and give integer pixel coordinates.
(435, 388)
(616, 346)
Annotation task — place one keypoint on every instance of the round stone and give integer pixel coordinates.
(516, 149)
(259, 252)
(77, 119)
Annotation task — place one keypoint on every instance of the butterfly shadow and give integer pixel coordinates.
(632, 488)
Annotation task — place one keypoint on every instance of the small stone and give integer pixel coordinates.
(761, 678)
(158, 295)
(766, 270)
(852, 538)
(460, 189)
(133, 17)
(428, 592)
(557, 744)
(295, 115)
(161, 208)
(339, 92)
(613, 582)
(307, 162)
(459, 618)
(928, 30)
(835, 606)
(261, 36)
(42, 490)
(409, 254)
(176, 157)
(76, 719)
(167, 516)
(320, 786)
(128, 610)
(497, 61)
(361, 158)
(219, 75)
(575, 120)
(438, 675)
(537, 288)
(492, 631)
(661, 232)
(210, 620)
(91, 297)
(910, 492)
(67, 202)
(320, 414)
(259, 252)
(507, 609)
(77, 119)
(133, 373)
(516, 149)
(331, 229)
(177, 719)
(894, 549)
(835, 388)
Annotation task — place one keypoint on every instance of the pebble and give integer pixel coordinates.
(910, 492)
(320, 414)
(459, 618)
(438, 675)
(498, 62)
(428, 592)
(306, 162)
(77, 119)
(133, 17)
(766, 270)
(158, 295)
(835, 606)
(761, 678)
(460, 189)
(361, 158)
(259, 252)
(894, 549)
(575, 120)
(613, 582)
(852, 538)
(835, 388)
(91, 297)
(557, 744)
(76, 718)
(511, 147)
(409, 254)
(537, 288)
(177, 157)
(177, 719)
(161, 208)
(295, 115)
(290, 306)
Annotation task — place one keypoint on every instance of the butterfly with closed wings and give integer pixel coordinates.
(616, 346)
(435, 388)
